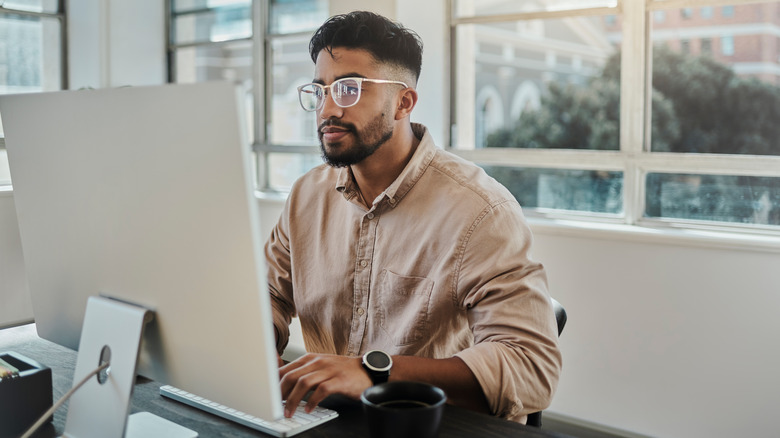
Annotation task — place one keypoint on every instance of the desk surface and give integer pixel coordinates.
(456, 422)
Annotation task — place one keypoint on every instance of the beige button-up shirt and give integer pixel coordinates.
(438, 267)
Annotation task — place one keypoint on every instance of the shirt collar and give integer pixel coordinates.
(414, 169)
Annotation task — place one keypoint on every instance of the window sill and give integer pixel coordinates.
(659, 235)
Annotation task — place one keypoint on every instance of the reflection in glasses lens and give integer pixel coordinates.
(310, 96)
(345, 92)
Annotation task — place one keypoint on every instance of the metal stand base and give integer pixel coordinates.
(145, 425)
(112, 332)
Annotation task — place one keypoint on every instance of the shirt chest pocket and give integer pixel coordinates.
(403, 306)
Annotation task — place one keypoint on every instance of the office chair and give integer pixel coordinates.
(535, 419)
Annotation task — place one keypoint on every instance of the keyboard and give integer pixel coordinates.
(282, 428)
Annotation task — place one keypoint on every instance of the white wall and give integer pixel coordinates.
(669, 339)
(433, 87)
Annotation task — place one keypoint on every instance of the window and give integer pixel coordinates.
(232, 39)
(679, 134)
(544, 106)
(706, 46)
(727, 45)
(685, 47)
(32, 38)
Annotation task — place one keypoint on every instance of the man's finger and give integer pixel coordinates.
(303, 385)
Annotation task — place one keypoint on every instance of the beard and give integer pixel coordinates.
(366, 141)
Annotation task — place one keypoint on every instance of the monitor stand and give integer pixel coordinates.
(112, 331)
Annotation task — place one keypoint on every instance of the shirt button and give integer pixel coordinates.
(370, 215)
(360, 311)
(363, 263)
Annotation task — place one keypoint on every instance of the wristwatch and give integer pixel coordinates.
(377, 364)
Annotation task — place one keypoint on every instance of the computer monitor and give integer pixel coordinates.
(145, 194)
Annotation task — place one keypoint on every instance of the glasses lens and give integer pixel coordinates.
(310, 96)
(347, 92)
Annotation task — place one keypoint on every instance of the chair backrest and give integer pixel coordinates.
(560, 315)
(535, 419)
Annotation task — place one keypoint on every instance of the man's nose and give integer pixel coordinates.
(330, 109)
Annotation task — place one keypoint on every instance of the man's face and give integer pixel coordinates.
(350, 135)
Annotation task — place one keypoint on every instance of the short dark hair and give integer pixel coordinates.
(387, 41)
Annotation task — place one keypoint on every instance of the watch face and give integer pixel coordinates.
(378, 360)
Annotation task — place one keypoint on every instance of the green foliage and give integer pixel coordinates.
(570, 117)
(698, 105)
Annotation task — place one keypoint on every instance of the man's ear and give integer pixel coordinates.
(406, 103)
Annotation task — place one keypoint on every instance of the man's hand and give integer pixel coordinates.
(323, 375)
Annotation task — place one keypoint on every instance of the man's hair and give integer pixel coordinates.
(387, 41)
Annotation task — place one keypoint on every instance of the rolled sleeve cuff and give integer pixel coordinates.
(500, 379)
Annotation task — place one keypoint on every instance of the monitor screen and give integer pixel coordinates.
(145, 194)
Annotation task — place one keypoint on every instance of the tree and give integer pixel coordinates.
(570, 117)
(698, 105)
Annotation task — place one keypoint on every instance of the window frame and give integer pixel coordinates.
(262, 41)
(61, 16)
(633, 158)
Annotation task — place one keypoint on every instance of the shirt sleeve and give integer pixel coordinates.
(279, 270)
(515, 356)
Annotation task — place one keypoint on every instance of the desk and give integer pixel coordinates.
(456, 422)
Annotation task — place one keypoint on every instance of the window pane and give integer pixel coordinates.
(292, 66)
(221, 23)
(231, 61)
(561, 189)
(284, 169)
(30, 59)
(739, 199)
(49, 6)
(290, 16)
(538, 84)
(716, 82)
(467, 8)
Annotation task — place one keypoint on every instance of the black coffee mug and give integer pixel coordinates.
(403, 409)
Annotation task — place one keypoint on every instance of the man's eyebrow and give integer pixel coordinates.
(351, 75)
(348, 75)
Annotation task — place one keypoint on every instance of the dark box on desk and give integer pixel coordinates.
(23, 399)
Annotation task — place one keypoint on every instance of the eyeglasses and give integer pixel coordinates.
(345, 92)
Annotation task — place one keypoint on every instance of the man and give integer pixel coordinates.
(398, 247)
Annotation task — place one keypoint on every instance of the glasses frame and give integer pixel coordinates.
(331, 90)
